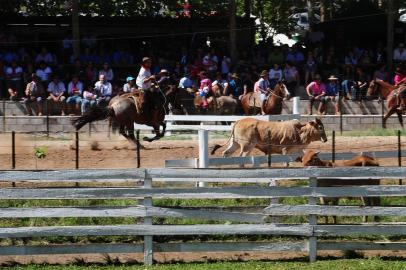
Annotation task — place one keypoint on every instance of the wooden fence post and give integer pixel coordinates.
(312, 221)
(269, 149)
(138, 149)
(47, 116)
(77, 149)
(148, 246)
(13, 150)
(400, 154)
(382, 113)
(333, 147)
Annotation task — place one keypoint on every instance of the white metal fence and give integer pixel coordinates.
(238, 222)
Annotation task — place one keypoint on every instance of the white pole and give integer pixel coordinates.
(296, 105)
(203, 152)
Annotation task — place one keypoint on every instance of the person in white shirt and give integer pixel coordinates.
(262, 87)
(187, 84)
(145, 78)
(43, 72)
(399, 54)
(103, 90)
(56, 90)
(107, 72)
(275, 75)
(14, 80)
(75, 89)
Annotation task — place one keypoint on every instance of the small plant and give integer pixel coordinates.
(40, 152)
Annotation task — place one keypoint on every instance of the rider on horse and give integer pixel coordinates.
(144, 83)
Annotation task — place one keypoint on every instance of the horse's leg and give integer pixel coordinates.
(163, 124)
(391, 111)
(400, 117)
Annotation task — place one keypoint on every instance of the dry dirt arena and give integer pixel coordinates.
(102, 151)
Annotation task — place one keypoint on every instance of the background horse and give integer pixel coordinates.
(391, 94)
(124, 111)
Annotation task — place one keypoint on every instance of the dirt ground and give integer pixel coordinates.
(99, 151)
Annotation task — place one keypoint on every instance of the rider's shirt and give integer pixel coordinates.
(142, 75)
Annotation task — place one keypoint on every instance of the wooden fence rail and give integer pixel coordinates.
(229, 221)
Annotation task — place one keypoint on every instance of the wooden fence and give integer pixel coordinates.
(238, 222)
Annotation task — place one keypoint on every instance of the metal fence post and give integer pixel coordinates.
(148, 245)
(382, 114)
(138, 149)
(333, 147)
(341, 123)
(312, 222)
(203, 152)
(77, 149)
(296, 105)
(47, 117)
(400, 154)
(269, 149)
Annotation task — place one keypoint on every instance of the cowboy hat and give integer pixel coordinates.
(332, 78)
(164, 71)
(264, 73)
(145, 59)
(234, 75)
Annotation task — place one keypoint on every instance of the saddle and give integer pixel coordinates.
(255, 100)
(138, 97)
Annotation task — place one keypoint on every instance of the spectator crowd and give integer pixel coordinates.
(328, 74)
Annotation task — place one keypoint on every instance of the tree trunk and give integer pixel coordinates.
(75, 28)
(310, 12)
(390, 33)
(233, 26)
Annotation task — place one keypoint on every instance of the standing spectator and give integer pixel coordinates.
(310, 67)
(399, 54)
(90, 73)
(361, 84)
(210, 63)
(2, 80)
(129, 86)
(44, 56)
(104, 90)
(316, 90)
(291, 76)
(262, 87)
(56, 90)
(43, 72)
(14, 80)
(75, 90)
(275, 75)
(225, 66)
(34, 95)
(89, 98)
(107, 72)
(332, 94)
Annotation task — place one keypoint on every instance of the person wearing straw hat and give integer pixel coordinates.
(145, 78)
(262, 87)
(332, 94)
(164, 79)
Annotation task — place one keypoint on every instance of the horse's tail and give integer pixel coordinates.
(95, 113)
(217, 146)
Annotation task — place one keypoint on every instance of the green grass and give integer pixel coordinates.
(370, 132)
(354, 264)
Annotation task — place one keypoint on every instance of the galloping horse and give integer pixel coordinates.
(251, 102)
(392, 94)
(124, 111)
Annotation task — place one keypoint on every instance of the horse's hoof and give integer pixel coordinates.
(148, 139)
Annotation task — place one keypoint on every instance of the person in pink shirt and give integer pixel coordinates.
(400, 76)
(316, 90)
(205, 88)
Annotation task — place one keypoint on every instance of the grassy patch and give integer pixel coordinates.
(356, 264)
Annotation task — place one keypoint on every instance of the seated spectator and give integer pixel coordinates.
(292, 79)
(205, 88)
(399, 54)
(89, 99)
(107, 72)
(14, 81)
(219, 85)
(262, 87)
(332, 94)
(347, 82)
(381, 73)
(75, 90)
(103, 90)
(56, 90)
(34, 93)
(316, 91)
(275, 75)
(44, 56)
(130, 86)
(361, 84)
(187, 84)
(43, 72)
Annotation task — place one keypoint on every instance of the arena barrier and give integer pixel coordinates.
(237, 222)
